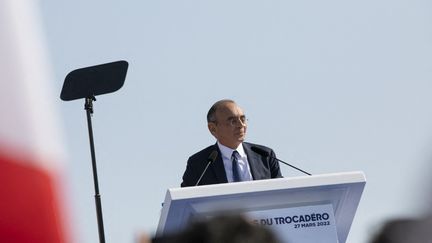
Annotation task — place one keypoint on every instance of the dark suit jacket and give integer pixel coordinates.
(261, 167)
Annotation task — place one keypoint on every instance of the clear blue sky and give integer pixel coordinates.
(331, 86)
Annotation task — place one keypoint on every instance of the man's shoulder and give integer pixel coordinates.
(203, 153)
(249, 145)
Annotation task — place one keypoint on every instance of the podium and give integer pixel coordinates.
(318, 208)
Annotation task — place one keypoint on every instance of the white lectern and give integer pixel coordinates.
(317, 208)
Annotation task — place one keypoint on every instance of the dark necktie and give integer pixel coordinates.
(235, 169)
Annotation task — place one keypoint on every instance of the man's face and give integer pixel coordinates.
(230, 126)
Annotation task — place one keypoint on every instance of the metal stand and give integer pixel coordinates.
(87, 83)
(89, 108)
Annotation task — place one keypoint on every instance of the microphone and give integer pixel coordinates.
(212, 157)
(264, 153)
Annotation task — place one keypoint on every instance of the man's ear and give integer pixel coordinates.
(212, 128)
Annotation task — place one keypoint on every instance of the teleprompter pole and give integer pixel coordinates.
(86, 83)
(89, 109)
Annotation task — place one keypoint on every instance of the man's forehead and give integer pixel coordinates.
(230, 109)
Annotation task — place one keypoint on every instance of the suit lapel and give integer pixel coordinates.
(219, 168)
(254, 161)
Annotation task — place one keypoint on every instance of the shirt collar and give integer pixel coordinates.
(227, 152)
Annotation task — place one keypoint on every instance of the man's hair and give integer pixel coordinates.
(222, 229)
(211, 114)
(403, 230)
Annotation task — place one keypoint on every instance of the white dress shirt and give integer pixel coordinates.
(243, 169)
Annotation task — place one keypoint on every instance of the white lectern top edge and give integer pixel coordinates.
(263, 185)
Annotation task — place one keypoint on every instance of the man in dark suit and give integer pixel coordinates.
(235, 159)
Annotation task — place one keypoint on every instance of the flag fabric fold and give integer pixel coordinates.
(31, 152)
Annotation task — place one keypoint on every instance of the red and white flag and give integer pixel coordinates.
(31, 150)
